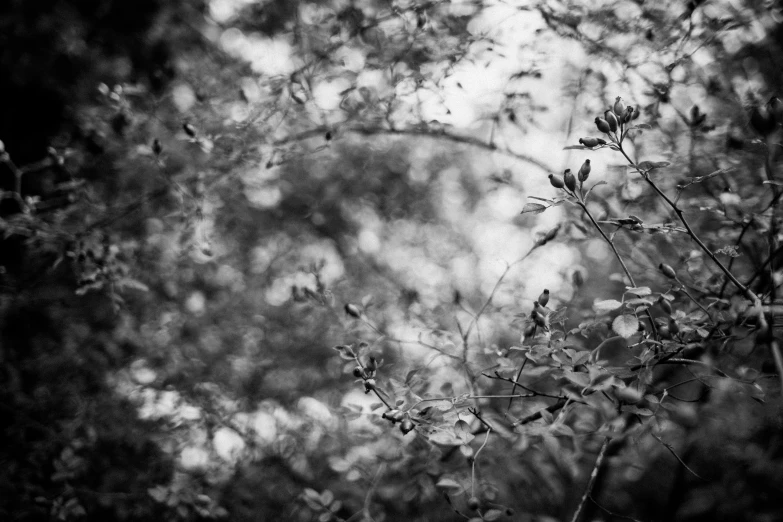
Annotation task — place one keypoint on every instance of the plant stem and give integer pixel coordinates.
(747, 292)
(593, 476)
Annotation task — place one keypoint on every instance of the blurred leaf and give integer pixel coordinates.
(625, 325)
(535, 208)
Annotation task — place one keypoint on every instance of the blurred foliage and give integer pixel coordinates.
(199, 199)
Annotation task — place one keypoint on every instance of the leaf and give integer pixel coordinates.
(625, 325)
(445, 438)
(642, 126)
(651, 165)
(449, 484)
(462, 430)
(575, 147)
(606, 306)
(493, 514)
(639, 291)
(580, 379)
(535, 208)
(644, 412)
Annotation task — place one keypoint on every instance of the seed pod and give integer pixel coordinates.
(664, 332)
(603, 125)
(577, 278)
(761, 121)
(665, 305)
(473, 503)
(674, 328)
(619, 107)
(611, 119)
(539, 318)
(530, 330)
(369, 385)
(584, 171)
(667, 271)
(636, 113)
(628, 116)
(406, 426)
(157, 148)
(543, 299)
(352, 310)
(556, 181)
(357, 372)
(569, 179)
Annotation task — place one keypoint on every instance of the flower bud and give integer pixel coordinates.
(591, 142)
(611, 119)
(556, 181)
(619, 107)
(543, 299)
(569, 179)
(603, 125)
(667, 270)
(352, 310)
(584, 171)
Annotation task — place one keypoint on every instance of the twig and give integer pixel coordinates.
(671, 450)
(593, 476)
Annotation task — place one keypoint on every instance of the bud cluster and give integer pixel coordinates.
(569, 181)
(539, 316)
(616, 118)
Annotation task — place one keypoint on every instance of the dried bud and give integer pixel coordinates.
(369, 385)
(406, 426)
(667, 270)
(556, 181)
(628, 116)
(543, 299)
(570, 180)
(603, 125)
(157, 148)
(352, 310)
(619, 107)
(591, 142)
(357, 372)
(189, 129)
(584, 171)
(611, 119)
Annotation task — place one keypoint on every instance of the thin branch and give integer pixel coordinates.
(593, 477)
(671, 450)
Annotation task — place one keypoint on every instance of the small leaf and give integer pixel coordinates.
(576, 147)
(639, 291)
(625, 325)
(606, 306)
(462, 430)
(493, 514)
(535, 208)
(449, 484)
